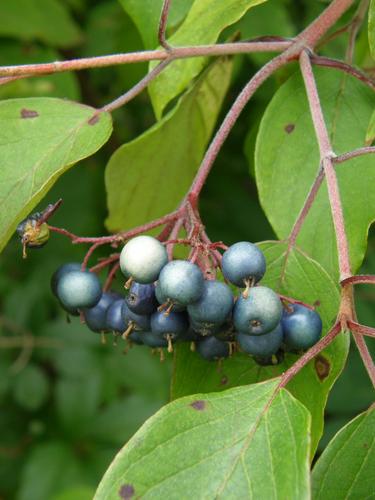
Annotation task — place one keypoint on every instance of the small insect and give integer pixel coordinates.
(34, 231)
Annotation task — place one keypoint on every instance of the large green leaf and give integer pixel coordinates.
(217, 446)
(149, 176)
(46, 20)
(40, 138)
(287, 161)
(305, 280)
(347, 466)
(146, 16)
(203, 25)
(371, 28)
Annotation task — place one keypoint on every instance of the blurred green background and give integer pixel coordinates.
(68, 403)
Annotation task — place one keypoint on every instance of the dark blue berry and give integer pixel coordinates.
(302, 327)
(154, 340)
(243, 262)
(262, 345)
(171, 326)
(141, 298)
(95, 317)
(258, 313)
(135, 321)
(114, 320)
(213, 349)
(142, 259)
(214, 305)
(64, 269)
(79, 289)
(181, 282)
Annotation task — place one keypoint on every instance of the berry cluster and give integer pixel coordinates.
(170, 301)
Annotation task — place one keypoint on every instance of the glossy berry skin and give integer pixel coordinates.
(114, 320)
(64, 269)
(162, 299)
(214, 305)
(181, 282)
(154, 340)
(259, 313)
(141, 298)
(213, 349)
(262, 345)
(174, 325)
(95, 317)
(141, 323)
(79, 289)
(302, 327)
(243, 261)
(142, 259)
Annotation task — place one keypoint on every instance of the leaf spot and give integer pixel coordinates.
(29, 113)
(316, 303)
(198, 405)
(289, 128)
(94, 119)
(224, 380)
(126, 491)
(322, 367)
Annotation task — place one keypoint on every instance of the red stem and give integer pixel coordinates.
(342, 66)
(326, 155)
(163, 25)
(353, 154)
(360, 278)
(365, 355)
(310, 354)
(362, 329)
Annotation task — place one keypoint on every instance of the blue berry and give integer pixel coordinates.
(214, 305)
(163, 300)
(141, 298)
(262, 345)
(302, 327)
(154, 340)
(243, 263)
(134, 321)
(114, 320)
(95, 317)
(142, 259)
(181, 282)
(171, 326)
(79, 289)
(213, 349)
(64, 269)
(258, 313)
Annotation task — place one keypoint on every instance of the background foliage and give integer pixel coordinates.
(67, 402)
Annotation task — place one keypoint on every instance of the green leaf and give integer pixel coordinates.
(347, 466)
(146, 16)
(370, 136)
(371, 28)
(287, 161)
(149, 176)
(76, 493)
(305, 280)
(45, 20)
(31, 388)
(203, 25)
(40, 138)
(217, 446)
(55, 467)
